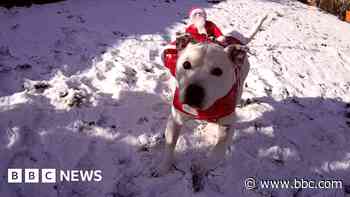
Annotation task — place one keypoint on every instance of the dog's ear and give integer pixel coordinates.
(182, 40)
(236, 53)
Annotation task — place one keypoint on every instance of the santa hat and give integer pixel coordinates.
(196, 10)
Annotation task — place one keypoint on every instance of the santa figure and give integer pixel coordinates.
(202, 29)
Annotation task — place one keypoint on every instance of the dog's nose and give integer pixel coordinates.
(194, 95)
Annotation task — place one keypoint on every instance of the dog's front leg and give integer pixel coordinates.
(224, 138)
(172, 132)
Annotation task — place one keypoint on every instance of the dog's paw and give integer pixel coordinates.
(198, 174)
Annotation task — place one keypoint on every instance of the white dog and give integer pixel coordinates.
(210, 81)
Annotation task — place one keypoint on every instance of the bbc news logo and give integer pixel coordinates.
(34, 175)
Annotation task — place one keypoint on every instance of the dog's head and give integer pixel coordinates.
(205, 71)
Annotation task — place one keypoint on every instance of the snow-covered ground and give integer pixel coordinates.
(82, 87)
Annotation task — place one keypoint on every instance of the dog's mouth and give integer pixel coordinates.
(194, 96)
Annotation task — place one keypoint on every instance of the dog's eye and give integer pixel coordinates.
(216, 71)
(187, 65)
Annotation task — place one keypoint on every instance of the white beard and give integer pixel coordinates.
(199, 23)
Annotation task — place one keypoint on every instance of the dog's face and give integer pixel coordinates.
(205, 73)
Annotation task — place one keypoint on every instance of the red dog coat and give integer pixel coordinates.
(221, 107)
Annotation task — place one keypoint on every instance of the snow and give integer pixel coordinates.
(82, 87)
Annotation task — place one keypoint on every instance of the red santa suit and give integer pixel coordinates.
(206, 31)
(202, 29)
(212, 31)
